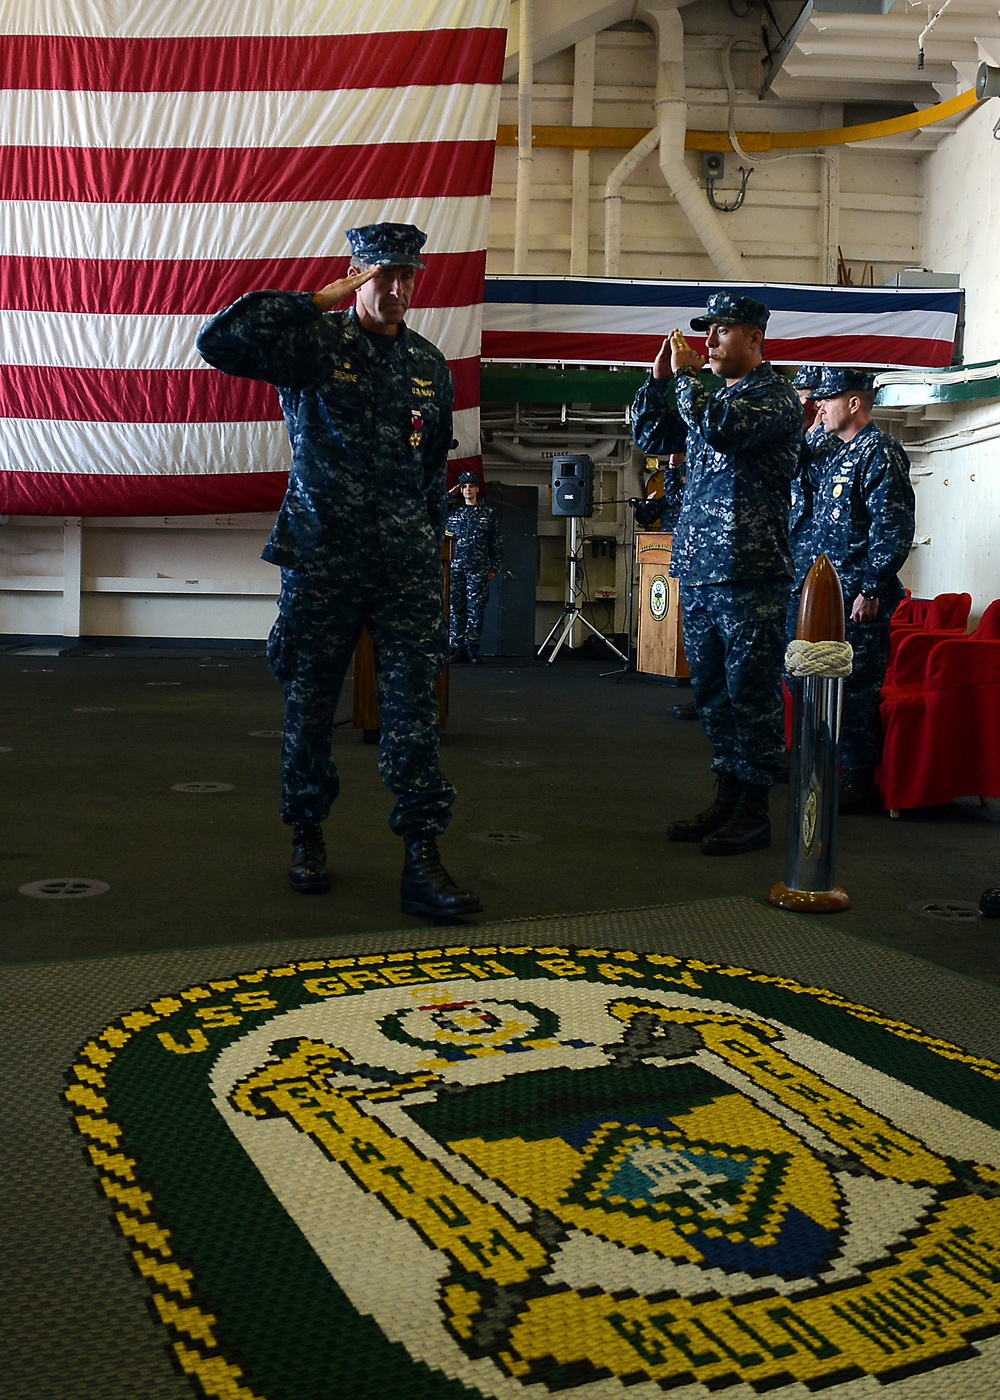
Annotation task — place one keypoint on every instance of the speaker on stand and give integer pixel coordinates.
(573, 496)
(572, 486)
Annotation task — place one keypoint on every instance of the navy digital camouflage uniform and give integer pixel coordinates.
(863, 520)
(730, 548)
(478, 554)
(800, 517)
(357, 539)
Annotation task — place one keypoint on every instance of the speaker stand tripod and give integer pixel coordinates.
(571, 614)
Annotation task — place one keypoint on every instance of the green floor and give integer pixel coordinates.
(577, 773)
(97, 741)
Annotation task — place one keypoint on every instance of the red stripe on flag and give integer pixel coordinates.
(642, 349)
(862, 350)
(190, 287)
(58, 493)
(76, 395)
(222, 175)
(321, 63)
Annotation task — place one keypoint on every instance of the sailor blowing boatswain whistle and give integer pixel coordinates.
(730, 551)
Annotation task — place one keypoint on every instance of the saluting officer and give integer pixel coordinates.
(807, 378)
(730, 553)
(863, 521)
(478, 558)
(368, 408)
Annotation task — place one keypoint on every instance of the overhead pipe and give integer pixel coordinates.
(613, 199)
(600, 450)
(671, 114)
(926, 30)
(525, 154)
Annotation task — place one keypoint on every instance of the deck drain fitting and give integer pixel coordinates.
(63, 888)
(961, 911)
(202, 787)
(505, 838)
(267, 734)
(509, 763)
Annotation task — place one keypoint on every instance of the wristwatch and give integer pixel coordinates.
(870, 594)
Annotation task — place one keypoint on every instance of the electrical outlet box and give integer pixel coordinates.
(713, 165)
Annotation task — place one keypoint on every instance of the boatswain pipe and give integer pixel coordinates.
(818, 659)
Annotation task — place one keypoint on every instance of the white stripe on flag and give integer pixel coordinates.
(143, 449)
(166, 449)
(192, 120)
(553, 319)
(234, 231)
(211, 18)
(64, 339)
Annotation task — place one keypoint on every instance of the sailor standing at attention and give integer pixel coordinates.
(731, 553)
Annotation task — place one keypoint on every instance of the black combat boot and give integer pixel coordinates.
(308, 873)
(427, 888)
(748, 827)
(727, 790)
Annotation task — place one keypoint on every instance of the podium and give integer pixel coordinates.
(660, 644)
(365, 696)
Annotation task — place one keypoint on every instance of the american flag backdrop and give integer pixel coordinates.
(162, 157)
(598, 320)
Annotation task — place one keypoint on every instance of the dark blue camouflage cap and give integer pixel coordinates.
(807, 377)
(730, 309)
(469, 479)
(388, 245)
(843, 381)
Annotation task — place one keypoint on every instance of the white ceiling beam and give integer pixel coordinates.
(902, 50)
(817, 89)
(561, 23)
(874, 69)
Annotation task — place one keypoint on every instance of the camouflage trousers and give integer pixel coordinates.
(469, 591)
(735, 645)
(861, 724)
(309, 650)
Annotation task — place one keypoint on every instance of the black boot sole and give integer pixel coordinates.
(309, 887)
(737, 848)
(691, 834)
(429, 911)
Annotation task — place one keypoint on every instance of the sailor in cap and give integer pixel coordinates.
(730, 552)
(804, 381)
(863, 521)
(368, 407)
(478, 557)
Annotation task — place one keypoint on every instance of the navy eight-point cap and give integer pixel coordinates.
(807, 377)
(843, 381)
(387, 245)
(468, 479)
(729, 309)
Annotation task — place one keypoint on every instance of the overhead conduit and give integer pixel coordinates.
(671, 110)
(595, 138)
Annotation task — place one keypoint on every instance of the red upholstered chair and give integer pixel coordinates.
(947, 614)
(942, 733)
(913, 649)
(911, 611)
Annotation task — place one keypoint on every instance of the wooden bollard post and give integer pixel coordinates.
(809, 886)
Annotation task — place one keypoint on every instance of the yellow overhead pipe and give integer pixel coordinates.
(593, 138)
